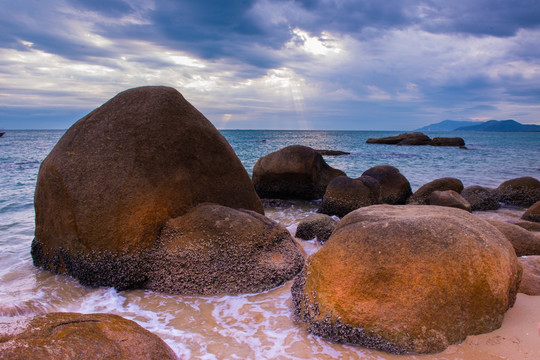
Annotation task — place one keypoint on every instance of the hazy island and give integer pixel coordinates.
(491, 125)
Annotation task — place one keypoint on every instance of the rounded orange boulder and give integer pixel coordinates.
(407, 279)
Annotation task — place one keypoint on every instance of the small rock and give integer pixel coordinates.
(481, 198)
(344, 195)
(449, 198)
(318, 226)
(420, 196)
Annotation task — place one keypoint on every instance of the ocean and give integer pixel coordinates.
(251, 326)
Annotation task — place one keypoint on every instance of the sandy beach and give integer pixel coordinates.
(518, 338)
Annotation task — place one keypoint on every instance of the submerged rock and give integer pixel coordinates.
(421, 196)
(214, 249)
(79, 336)
(318, 226)
(407, 279)
(118, 174)
(481, 198)
(344, 195)
(294, 172)
(395, 188)
(523, 191)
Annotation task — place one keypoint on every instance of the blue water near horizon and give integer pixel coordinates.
(491, 158)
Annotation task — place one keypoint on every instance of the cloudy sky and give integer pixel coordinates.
(275, 64)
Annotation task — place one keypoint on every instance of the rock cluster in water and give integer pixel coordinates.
(109, 187)
(413, 278)
(418, 138)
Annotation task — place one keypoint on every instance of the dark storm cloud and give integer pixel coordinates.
(499, 18)
(109, 8)
(393, 58)
(216, 29)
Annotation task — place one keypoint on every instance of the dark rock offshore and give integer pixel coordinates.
(418, 138)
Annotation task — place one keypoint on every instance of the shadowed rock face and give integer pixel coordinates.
(407, 279)
(318, 226)
(294, 172)
(530, 284)
(524, 242)
(481, 198)
(523, 191)
(116, 177)
(421, 196)
(218, 250)
(344, 195)
(449, 198)
(532, 213)
(79, 336)
(395, 188)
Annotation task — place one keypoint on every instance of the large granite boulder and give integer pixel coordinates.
(407, 279)
(318, 226)
(294, 172)
(78, 336)
(532, 213)
(530, 283)
(449, 198)
(414, 138)
(481, 198)
(344, 195)
(118, 174)
(524, 242)
(214, 249)
(395, 188)
(421, 196)
(523, 191)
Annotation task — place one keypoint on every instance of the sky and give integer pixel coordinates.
(283, 64)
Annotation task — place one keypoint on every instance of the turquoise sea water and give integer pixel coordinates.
(243, 323)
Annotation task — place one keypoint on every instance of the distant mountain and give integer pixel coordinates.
(500, 125)
(447, 125)
(491, 125)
